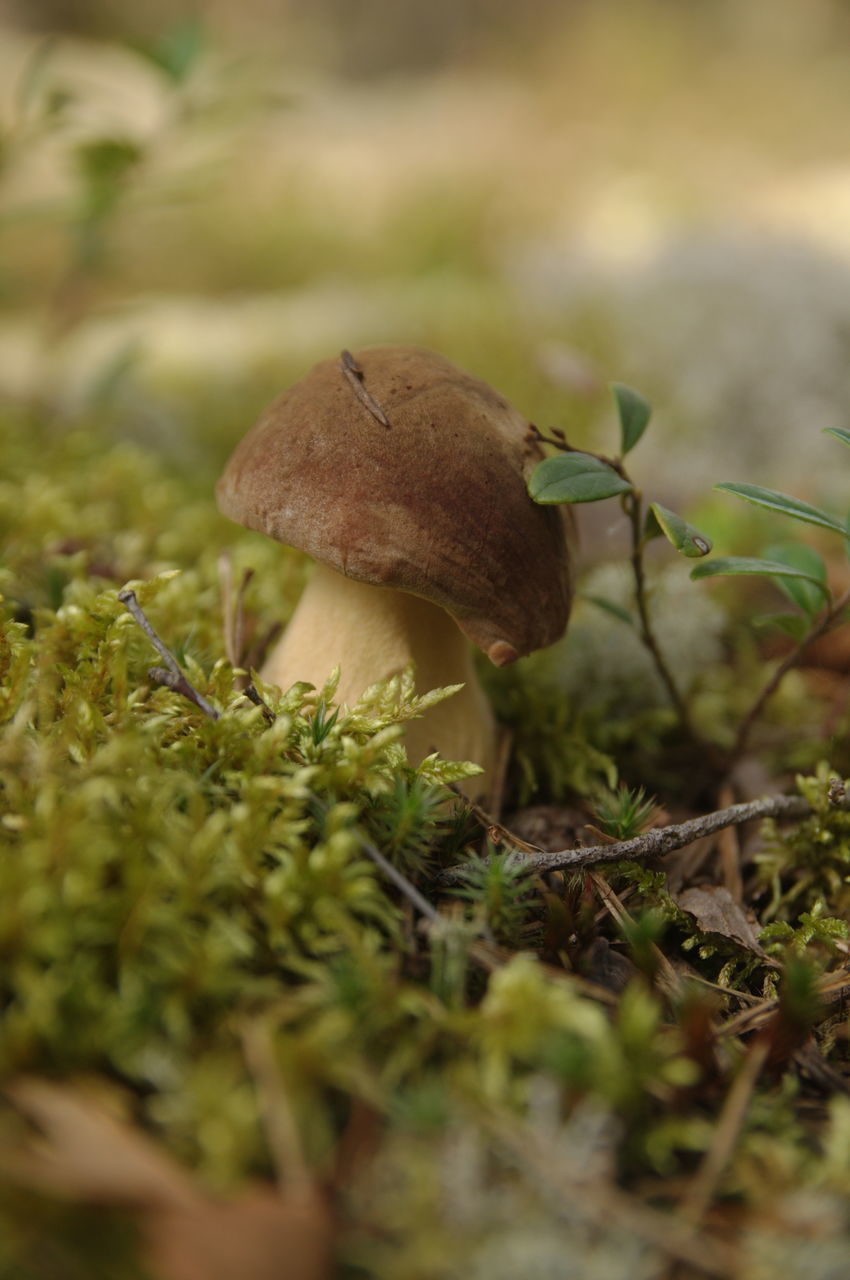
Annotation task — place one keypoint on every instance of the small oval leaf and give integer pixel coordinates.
(784, 504)
(575, 477)
(651, 527)
(801, 593)
(634, 412)
(840, 433)
(737, 565)
(683, 536)
(178, 49)
(793, 624)
(609, 606)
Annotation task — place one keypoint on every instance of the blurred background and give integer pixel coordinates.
(198, 201)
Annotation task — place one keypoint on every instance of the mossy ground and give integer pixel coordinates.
(193, 935)
(171, 883)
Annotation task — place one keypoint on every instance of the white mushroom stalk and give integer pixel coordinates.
(373, 633)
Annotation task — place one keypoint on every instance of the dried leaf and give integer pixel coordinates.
(716, 911)
(86, 1154)
(259, 1236)
(83, 1153)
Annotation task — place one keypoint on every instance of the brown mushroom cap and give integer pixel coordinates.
(434, 504)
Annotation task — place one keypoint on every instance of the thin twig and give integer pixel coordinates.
(831, 988)
(239, 624)
(633, 507)
(560, 442)
(423, 906)
(659, 840)
(726, 1131)
(749, 720)
(250, 692)
(173, 677)
(668, 979)
(632, 503)
(729, 847)
(276, 1113)
(225, 582)
(494, 830)
(354, 376)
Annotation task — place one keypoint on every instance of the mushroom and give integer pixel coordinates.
(404, 478)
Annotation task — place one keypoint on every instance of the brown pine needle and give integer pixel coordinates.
(729, 1125)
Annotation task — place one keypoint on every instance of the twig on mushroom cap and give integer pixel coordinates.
(354, 373)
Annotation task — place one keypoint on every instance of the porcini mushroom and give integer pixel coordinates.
(404, 478)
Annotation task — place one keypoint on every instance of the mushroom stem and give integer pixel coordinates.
(373, 633)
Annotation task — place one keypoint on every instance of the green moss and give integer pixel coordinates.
(169, 882)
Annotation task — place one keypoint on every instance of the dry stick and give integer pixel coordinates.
(729, 847)
(746, 726)
(633, 507)
(225, 582)
(354, 375)
(281, 1130)
(832, 987)
(668, 979)
(233, 617)
(495, 831)
(239, 620)
(173, 677)
(392, 873)
(729, 1125)
(658, 841)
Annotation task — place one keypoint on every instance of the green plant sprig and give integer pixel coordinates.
(798, 571)
(575, 476)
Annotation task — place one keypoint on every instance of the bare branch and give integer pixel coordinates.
(179, 684)
(660, 840)
(727, 1129)
(832, 615)
(173, 677)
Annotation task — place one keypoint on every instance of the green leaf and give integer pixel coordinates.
(784, 504)
(178, 49)
(104, 165)
(634, 412)
(840, 433)
(651, 527)
(107, 160)
(804, 594)
(793, 624)
(683, 536)
(575, 477)
(738, 565)
(616, 610)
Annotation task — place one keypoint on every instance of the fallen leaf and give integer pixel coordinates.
(261, 1235)
(716, 911)
(81, 1152)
